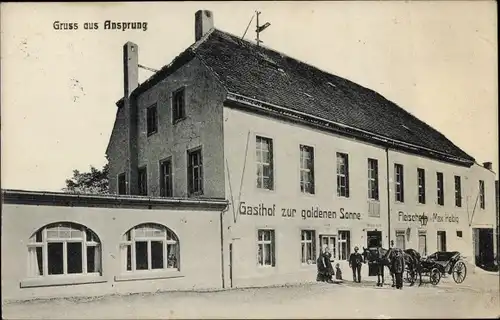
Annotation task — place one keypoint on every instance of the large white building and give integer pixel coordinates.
(291, 157)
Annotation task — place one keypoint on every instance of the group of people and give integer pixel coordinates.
(325, 266)
(356, 259)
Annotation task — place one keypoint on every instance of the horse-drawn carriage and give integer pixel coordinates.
(440, 264)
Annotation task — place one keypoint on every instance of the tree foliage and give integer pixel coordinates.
(93, 182)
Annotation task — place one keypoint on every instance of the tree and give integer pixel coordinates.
(93, 182)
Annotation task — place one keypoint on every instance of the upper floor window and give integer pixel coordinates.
(400, 196)
(166, 181)
(122, 183)
(421, 185)
(266, 248)
(264, 157)
(481, 194)
(306, 169)
(152, 119)
(342, 175)
(372, 179)
(149, 247)
(458, 191)
(440, 188)
(195, 172)
(178, 105)
(64, 249)
(143, 181)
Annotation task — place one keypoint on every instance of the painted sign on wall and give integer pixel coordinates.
(309, 213)
(424, 219)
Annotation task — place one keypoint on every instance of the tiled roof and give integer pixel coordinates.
(263, 74)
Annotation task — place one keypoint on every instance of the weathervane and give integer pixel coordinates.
(261, 28)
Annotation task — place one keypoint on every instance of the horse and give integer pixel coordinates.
(383, 258)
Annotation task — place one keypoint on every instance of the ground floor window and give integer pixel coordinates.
(441, 240)
(400, 239)
(64, 249)
(308, 245)
(344, 244)
(150, 247)
(266, 248)
(422, 243)
(329, 242)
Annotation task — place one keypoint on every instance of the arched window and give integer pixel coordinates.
(64, 249)
(150, 247)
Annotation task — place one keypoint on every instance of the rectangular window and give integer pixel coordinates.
(74, 257)
(400, 239)
(122, 184)
(422, 243)
(195, 172)
(178, 105)
(440, 188)
(458, 191)
(264, 157)
(421, 185)
(166, 181)
(344, 244)
(306, 169)
(400, 196)
(330, 242)
(308, 243)
(266, 248)
(342, 175)
(55, 258)
(481, 194)
(372, 179)
(152, 119)
(441, 240)
(459, 233)
(143, 181)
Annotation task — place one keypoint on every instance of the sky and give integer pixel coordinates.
(437, 60)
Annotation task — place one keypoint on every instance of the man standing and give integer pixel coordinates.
(398, 266)
(355, 261)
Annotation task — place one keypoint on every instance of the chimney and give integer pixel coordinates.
(130, 83)
(203, 22)
(487, 165)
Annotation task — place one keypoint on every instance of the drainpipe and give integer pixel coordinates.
(388, 197)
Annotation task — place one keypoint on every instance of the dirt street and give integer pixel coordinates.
(477, 297)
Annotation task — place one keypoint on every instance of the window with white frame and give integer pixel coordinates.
(421, 185)
(440, 188)
(400, 239)
(308, 244)
(342, 175)
(481, 194)
(344, 244)
(150, 247)
(306, 169)
(422, 243)
(373, 179)
(400, 195)
(64, 249)
(264, 157)
(266, 248)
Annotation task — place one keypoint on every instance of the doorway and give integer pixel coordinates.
(483, 238)
(441, 241)
(373, 240)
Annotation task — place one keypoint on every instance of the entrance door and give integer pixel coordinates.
(484, 254)
(441, 241)
(373, 240)
(330, 242)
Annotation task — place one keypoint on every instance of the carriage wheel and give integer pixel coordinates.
(459, 272)
(435, 276)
